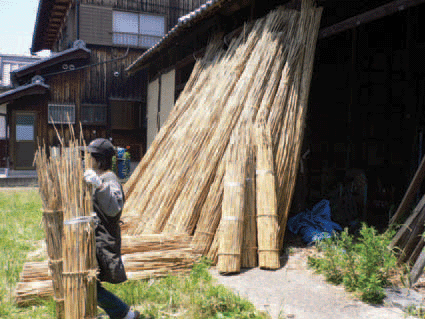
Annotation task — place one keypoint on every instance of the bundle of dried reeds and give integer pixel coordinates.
(208, 120)
(154, 165)
(260, 96)
(266, 71)
(159, 259)
(267, 219)
(187, 209)
(249, 245)
(291, 135)
(29, 293)
(35, 271)
(78, 245)
(154, 242)
(49, 188)
(193, 85)
(233, 206)
(138, 265)
(210, 215)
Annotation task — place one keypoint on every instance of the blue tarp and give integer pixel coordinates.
(314, 224)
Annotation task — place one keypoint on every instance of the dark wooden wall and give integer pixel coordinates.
(104, 80)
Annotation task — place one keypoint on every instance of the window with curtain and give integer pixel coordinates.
(137, 29)
(61, 114)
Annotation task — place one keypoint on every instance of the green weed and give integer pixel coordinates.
(363, 264)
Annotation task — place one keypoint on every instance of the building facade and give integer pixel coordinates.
(84, 81)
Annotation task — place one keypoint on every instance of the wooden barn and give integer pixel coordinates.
(364, 134)
(83, 81)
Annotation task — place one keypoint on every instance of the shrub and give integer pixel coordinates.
(363, 265)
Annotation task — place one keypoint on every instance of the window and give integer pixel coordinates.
(93, 114)
(137, 29)
(25, 127)
(61, 114)
(2, 127)
(7, 68)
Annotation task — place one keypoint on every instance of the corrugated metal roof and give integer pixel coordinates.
(183, 22)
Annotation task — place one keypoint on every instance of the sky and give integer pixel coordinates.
(17, 20)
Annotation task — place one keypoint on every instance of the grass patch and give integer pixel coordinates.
(191, 296)
(188, 296)
(20, 232)
(363, 264)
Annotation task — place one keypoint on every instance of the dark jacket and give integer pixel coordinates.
(108, 201)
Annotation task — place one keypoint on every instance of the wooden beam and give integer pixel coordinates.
(410, 193)
(369, 16)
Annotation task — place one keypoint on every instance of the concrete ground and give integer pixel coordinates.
(295, 291)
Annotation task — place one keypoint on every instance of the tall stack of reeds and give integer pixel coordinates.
(264, 77)
(48, 182)
(78, 245)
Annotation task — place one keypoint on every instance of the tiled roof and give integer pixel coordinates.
(37, 86)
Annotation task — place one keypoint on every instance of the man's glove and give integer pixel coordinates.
(91, 177)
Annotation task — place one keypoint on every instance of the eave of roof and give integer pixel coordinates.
(73, 53)
(184, 22)
(24, 90)
(46, 27)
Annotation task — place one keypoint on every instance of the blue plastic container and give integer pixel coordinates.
(121, 162)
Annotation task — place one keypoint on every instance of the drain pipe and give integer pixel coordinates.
(77, 17)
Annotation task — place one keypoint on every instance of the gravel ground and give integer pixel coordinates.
(295, 291)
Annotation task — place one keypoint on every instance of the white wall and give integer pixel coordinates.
(165, 90)
(168, 81)
(152, 111)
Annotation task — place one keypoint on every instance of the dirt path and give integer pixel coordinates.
(295, 291)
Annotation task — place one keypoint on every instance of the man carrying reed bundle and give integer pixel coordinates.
(108, 201)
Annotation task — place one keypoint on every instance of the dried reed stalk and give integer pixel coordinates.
(233, 206)
(267, 219)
